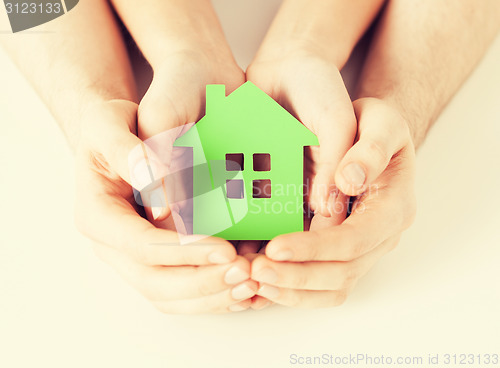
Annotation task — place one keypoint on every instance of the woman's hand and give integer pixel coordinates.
(320, 267)
(177, 97)
(310, 87)
(202, 276)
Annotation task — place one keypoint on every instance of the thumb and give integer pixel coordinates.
(321, 102)
(382, 132)
(331, 117)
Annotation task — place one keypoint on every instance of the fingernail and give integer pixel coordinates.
(268, 291)
(242, 291)
(282, 255)
(156, 211)
(237, 308)
(267, 275)
(354, 174)
(235, 275)
(218, 258)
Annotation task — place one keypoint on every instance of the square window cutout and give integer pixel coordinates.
(261, 188)
(234, 162)
(235, 189)
(261, 162)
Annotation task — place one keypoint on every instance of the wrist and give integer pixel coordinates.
(182, 31)
(411, 119)
(298, 45)
(210, 53)
(330, 28)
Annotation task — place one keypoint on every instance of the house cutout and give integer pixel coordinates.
(248, 155)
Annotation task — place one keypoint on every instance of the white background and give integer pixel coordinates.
(438, 292)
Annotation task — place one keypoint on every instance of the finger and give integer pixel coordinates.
(222, 302)
(318, 275)
(382, 133)
(159, 173)
(251, 256)
(241, 306)
(382, 216)
(329, 114)
(303, 298)
(181, 282)
(171, 105)
(160, 122)
(385, 209)
(96, 214)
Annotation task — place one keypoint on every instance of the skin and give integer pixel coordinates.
(90, 90)
(403, 88)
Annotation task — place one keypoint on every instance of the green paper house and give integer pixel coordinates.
(248, 155)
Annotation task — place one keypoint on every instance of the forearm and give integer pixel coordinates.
(163, 28)
(423, 51)
(330, 28)
(74, 61)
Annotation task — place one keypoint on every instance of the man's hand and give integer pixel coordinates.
(320, 267)
(200, 277)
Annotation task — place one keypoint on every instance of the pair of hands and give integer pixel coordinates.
(317, 268)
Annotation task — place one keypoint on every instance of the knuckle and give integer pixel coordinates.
(400, 124)
(300, 281)
(376, 150)
(313, 250)
(350, 274)
(355, 245)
